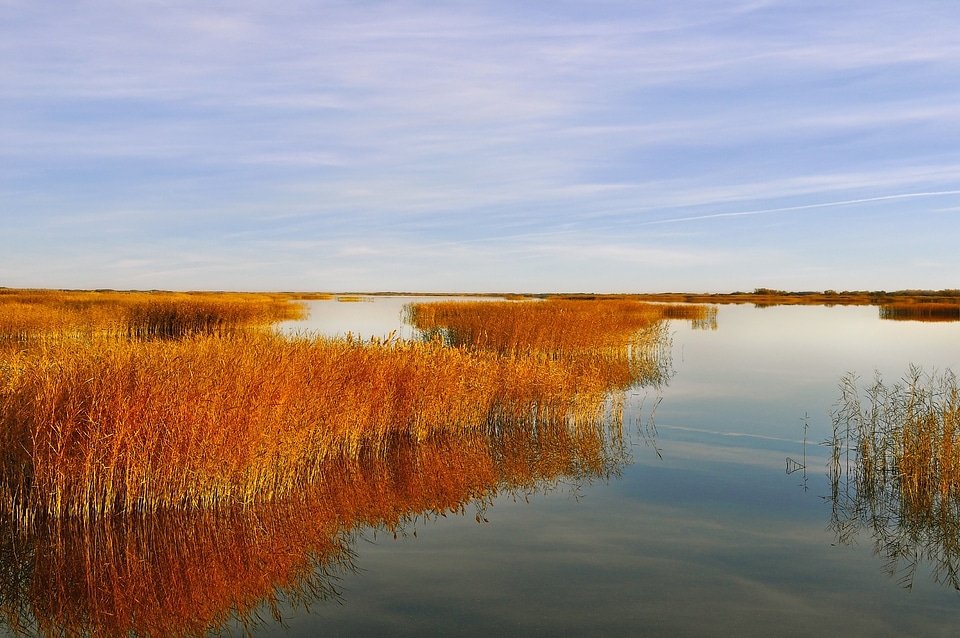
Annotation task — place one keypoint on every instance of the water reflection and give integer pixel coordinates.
(192, 573)
(167, 574)
(704, 318)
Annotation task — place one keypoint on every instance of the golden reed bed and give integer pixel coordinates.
(142, 402)
(28, 316)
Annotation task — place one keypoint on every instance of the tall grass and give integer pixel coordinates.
(921, 311)
(164, 469)
(556, 326)
(188, 574)
(624, 340)
(33, 316)
(178, 317)
(896, 471)
(180, 407)
(100, 427)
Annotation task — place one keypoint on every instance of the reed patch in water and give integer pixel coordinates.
(920, 311)
(624, 340)
(193, 411)
(895, 471)
(91, 428)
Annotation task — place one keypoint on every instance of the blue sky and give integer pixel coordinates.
(480, 146)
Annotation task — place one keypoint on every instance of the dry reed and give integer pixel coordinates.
(896, 471)
(100, 427)
(183, 408)
(921, 311)
(129, 433)
(28, 317)
(625, 341)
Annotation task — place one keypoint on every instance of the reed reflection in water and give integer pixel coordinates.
(895, 473)
(192, 573)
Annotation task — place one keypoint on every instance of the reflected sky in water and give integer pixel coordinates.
(762, 370)
(699, 530)
(362, 315)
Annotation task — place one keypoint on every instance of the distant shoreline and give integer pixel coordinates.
(759, 296)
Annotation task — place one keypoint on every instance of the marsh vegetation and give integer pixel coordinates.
(169, 464)
(903, 305)
(913, 311)
(895, 472)
(137, 404)
(30, 317)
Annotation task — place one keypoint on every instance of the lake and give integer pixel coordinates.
(701, 532)
(710, 513)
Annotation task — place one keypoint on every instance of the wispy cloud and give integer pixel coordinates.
(786, 209)
(502, 130)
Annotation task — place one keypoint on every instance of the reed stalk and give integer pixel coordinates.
(896, 471)
(92, 428)
(142, 402)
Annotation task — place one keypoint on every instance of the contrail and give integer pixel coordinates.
(805, 207)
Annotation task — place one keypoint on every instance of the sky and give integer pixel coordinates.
(500, 146)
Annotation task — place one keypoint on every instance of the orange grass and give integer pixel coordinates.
(99, 427)
(184, 409)
(555, 326)
(32, 316)
(173, 575)
(764, 297)
(623, 340)
(920, 311)
(126, 458)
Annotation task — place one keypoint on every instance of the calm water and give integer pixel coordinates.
(694, 528)
(710, 537)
